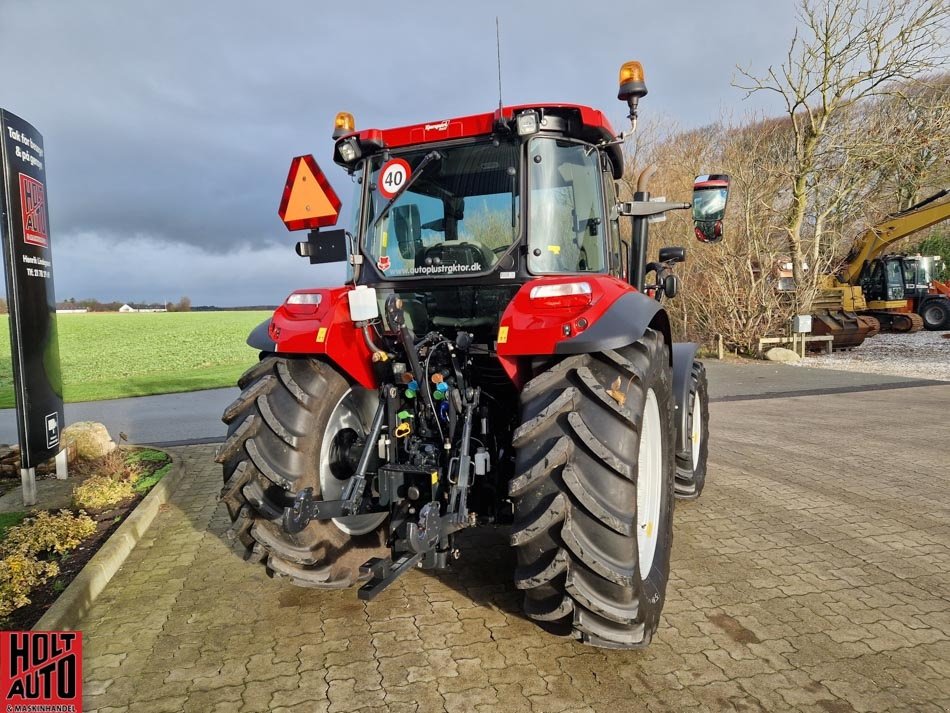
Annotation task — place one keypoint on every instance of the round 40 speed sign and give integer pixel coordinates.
(393, 176)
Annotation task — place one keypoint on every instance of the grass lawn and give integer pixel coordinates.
(111, 355)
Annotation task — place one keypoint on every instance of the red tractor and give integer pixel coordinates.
(496, 356)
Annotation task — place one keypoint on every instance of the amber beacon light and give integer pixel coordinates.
(343, 124)
(632, 86)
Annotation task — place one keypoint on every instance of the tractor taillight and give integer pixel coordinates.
(303, 302)
(562, 295)
(343, 124)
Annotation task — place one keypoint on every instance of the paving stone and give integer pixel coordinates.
(810, 576)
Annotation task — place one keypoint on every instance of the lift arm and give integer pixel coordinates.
(899, 225)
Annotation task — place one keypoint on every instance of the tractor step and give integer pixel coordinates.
(384, 572)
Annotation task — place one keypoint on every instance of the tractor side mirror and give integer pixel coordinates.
(710, 195)
(672, 254)
(671, 285)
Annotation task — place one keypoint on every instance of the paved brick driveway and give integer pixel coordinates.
(814, 574)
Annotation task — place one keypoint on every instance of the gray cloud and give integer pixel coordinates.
(177, 120)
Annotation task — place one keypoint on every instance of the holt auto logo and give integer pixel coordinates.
(40, 671)
(33, 208)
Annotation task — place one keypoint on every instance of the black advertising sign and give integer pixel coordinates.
(24, 221)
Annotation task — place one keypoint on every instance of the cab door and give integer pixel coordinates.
(616, 255)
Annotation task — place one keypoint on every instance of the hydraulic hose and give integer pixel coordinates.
(368, 338)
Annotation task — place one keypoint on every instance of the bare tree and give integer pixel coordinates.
(845, 51)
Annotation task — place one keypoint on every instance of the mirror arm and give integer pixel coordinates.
(647, 208)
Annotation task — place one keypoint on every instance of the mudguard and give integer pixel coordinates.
(624, 322)
(613, 316)
(323, 329)
(260, 338)
(683, 355)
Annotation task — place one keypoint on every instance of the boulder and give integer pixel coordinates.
(91, 440)
(782, 354)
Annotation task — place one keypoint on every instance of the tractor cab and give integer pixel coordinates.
(455, 215)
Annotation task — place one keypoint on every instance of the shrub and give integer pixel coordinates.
(19, 575)
(46, 532)
(100, 492)
(9, 519)
(146, 483)
(23, 566)
(146, 455)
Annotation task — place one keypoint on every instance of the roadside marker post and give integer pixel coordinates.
(28, 263)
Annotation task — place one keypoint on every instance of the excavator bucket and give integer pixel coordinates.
(848, 329)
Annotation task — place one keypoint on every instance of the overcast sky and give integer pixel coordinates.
(169, 126)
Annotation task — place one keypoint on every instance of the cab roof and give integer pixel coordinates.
(587, 124)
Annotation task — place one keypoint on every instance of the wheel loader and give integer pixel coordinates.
(498, 355)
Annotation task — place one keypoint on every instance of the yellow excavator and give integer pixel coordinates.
(868, 294)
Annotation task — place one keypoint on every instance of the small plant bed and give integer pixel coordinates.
(42, 551)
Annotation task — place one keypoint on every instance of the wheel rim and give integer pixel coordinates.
(649, 484)
(697, 430)
(349, 419)
(933, 316)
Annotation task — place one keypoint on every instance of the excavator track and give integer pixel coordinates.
(901, 322)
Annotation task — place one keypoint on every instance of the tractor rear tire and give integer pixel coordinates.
(691, 463)
(594, 500)
(276, 433)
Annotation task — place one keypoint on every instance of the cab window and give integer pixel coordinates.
(566, 227)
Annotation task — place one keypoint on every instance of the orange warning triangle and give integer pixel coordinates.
(308, 201)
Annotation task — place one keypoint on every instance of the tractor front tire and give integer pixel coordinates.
(282, 430)
(593, 494)
(691, 463)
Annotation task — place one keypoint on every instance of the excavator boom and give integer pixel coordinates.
(841, 308)
(897, 226)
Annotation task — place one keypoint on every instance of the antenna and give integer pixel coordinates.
(498, 46)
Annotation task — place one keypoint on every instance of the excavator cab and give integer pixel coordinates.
(883, 280)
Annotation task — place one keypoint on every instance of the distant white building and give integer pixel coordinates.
(127, 308)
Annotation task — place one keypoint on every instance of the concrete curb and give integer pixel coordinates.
(78, 597)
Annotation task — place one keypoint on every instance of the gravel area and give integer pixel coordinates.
(922, 355)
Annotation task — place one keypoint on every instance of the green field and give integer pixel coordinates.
(110, 356)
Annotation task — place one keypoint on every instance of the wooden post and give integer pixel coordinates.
(721, 355)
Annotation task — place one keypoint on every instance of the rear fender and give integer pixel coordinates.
(319, 330)
(617, 315)
(683, 355)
